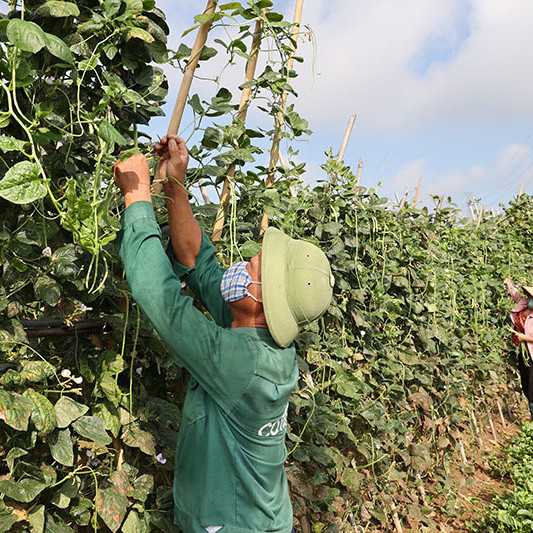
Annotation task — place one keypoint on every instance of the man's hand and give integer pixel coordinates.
(174, 160)
(132, 177)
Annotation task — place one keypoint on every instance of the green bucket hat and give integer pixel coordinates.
(297, 284)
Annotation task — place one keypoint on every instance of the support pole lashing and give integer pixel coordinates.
(280, 120)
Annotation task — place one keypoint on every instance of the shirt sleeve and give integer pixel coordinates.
(197, 342)
(204, 281)
(514, 292)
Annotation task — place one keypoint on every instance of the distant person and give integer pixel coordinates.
(522, 319)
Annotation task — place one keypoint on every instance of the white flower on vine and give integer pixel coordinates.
(66, 373)
(47, 251)
(139, 370)
(83, 308)
(378, 446)
(363, 333)
(78, 380)
(161, 459)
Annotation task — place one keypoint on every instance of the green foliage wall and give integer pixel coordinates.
(88, 423)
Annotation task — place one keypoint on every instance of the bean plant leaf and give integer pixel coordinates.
(58, 9)
(43, 414)
(68, 410)
(10, 144)
(110, 134)
(23, 491)
(36, 519)
(22, 183)
(92, 428)
(111, 507)
(13, 454)
(15, 410)
(8, 517)
(139, 33)
(61, 447)
(48, 290)
(36, 371)
(26, 35)
(137, 438)
(58, 48)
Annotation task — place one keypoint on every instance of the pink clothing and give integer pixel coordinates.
(521, 304)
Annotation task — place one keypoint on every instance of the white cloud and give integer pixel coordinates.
(366, 52)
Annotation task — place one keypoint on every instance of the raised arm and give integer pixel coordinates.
(513, 291)
(185, 232)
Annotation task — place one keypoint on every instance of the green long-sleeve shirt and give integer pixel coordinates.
(231, 451)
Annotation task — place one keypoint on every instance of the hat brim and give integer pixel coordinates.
(528, 291)
(280, 320)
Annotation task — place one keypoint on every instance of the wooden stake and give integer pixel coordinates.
(492, 211)
(472, 213)
(396, 518)
(502, 418)
(346, 138)
(359, 172)
(462, 450)
(476, 427)
(241, 116)
(521, 189)
(274, 151)
(440, 202)
(491, 423)
(422, 491)
(404, 198)
(480, 216)
(417, 190)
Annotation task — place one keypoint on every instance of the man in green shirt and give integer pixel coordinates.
(229, 467)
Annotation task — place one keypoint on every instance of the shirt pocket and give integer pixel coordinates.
(194, 408)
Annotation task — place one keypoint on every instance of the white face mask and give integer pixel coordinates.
(235, 282)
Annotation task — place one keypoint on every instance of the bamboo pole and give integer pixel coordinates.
(476, 427)
(403, 198)
(396, 518)
(346, 138)
(185, 87)
(441, 199)
(480, 216)
(521, 189)
(417, 190)
(241, 117)
(462, 450)
(359, 172)
(274, 152)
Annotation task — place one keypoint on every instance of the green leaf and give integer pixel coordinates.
(43, 415)
(68, 410)
(58, 9)
(36, 518)
(143, 486)
(13, 454)
(26, 35)
(139, 33)
(92, 428)
(230, 6)
(8, 517)
(15, 410)
(250, 249)
(10, 144)
(111, 7)
(110, 134)
(137, 438)
(134, 6)
(112, 507)
(66, 492)
(23, 491)
(48, 290)
(61, 447)
(36, 371)
(81, 512)
(22, 183)
(58, 48)
(148, 5)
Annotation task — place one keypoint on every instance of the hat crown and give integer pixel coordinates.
(309, 281)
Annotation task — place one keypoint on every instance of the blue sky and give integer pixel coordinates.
(443, 90)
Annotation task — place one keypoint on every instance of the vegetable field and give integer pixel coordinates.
(396, 378)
